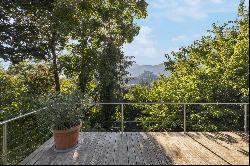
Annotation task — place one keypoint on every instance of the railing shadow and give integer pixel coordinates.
(236, 141)
(244, 136)
(196, 139)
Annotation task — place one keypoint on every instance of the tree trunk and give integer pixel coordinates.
(85, 68)
(83, 76)
(55, 68)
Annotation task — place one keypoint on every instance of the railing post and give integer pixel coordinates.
(122, 123)
(184, 122)
(245, 119)
(4, 155)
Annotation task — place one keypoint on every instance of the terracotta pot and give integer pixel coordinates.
(65, 139)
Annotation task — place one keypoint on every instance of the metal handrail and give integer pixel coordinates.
(152, 103)
(127, 103)
(21, 116)
(4, 123)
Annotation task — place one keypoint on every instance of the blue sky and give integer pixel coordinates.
(174, 23)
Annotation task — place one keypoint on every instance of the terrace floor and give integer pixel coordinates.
(222, 148)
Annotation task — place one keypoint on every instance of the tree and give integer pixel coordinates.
(48, 30)
(212, 69)
(19, 39)
(100, 36)
(38, 78)
(146, 78)
(35, 30)
(107, 21)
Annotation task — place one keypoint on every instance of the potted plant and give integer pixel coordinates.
(63, 115)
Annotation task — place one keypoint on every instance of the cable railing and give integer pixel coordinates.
(184, 105)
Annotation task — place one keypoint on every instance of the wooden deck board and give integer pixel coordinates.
(31, 156)
(222, 146)
(44, 149)
(142, 148)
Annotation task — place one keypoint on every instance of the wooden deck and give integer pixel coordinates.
(222, 148)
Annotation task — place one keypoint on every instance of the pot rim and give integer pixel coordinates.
(67, 130)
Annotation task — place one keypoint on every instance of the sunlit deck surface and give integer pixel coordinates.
(222, 148)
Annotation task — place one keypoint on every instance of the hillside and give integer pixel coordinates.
(136, 69)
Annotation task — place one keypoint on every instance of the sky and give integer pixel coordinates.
(171, 24)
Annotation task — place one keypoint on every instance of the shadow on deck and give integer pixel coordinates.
(152, 148)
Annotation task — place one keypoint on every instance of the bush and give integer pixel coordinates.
(63, 111)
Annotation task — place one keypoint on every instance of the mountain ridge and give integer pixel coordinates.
(135, 70)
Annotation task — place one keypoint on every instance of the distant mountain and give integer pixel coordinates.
(137, 70)
(144, 79)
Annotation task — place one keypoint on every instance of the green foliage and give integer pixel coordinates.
(20, 86)
(33, 35)
(17, 94)
(68, 86)
(12, 95)
(19, 34)
(37, 77)
(24, 137)
(97, 57)
(69, 65)
(212, 69)
(22, 83)
(62, 111)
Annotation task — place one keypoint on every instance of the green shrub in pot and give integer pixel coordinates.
(63, 115)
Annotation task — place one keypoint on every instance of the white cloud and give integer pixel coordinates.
(217, 1)
(178, 39)
(184, 40)
(192, 2)
(178, 11)
(144, 48)
(184, 10)
(147, 50)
